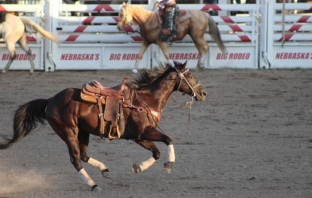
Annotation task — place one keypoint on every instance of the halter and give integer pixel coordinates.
(182, 78)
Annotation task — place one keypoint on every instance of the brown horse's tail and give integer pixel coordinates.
(26, 118)
(215, 33)
(28, 22)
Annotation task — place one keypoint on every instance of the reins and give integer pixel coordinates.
(189, 103)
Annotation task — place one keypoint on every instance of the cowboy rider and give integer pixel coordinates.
(168, 28)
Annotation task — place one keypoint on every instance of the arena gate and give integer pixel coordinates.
(286, 30)
(35, 41)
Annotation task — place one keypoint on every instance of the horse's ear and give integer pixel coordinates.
(123, 3)
(184, 64)
(178, 64)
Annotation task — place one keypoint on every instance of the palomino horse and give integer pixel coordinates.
(194, 23)
(12, 30)
(74, 120)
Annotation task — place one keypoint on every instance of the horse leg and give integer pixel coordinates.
(69, 136)
(74, 152)
(83, 139)
(163, 47)
(143, 48)
(11, 49)
(23, 44)
(152, 134)
(146, 164)
(202, 47)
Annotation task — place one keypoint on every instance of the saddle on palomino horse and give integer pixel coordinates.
(111, 119)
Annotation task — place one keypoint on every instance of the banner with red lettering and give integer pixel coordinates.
(239, 56)
(21, 61)
(78, 58)
(118, 57)
(291, 56)
(177, 52)
(99, 57)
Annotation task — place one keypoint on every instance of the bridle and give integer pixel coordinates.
(181, 76)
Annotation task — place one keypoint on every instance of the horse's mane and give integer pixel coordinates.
(146, 77)
(134, 6)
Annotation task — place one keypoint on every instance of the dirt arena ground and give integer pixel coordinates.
(252, 137)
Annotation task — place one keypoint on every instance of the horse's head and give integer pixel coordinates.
(125, 17)
(188, 84)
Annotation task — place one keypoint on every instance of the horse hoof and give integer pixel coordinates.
(31, 71)
(134, 70)
(168, 166)
(3, 71)
(96, 188)
(105, 171)
(135, 169)
(201, 66)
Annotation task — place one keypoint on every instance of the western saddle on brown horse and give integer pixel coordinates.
(111, 119)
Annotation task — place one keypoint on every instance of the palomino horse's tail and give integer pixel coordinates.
(28, 22)
(26, 118)
(215, 33)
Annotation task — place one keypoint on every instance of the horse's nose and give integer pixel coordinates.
(119, 27)
(201, 96)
